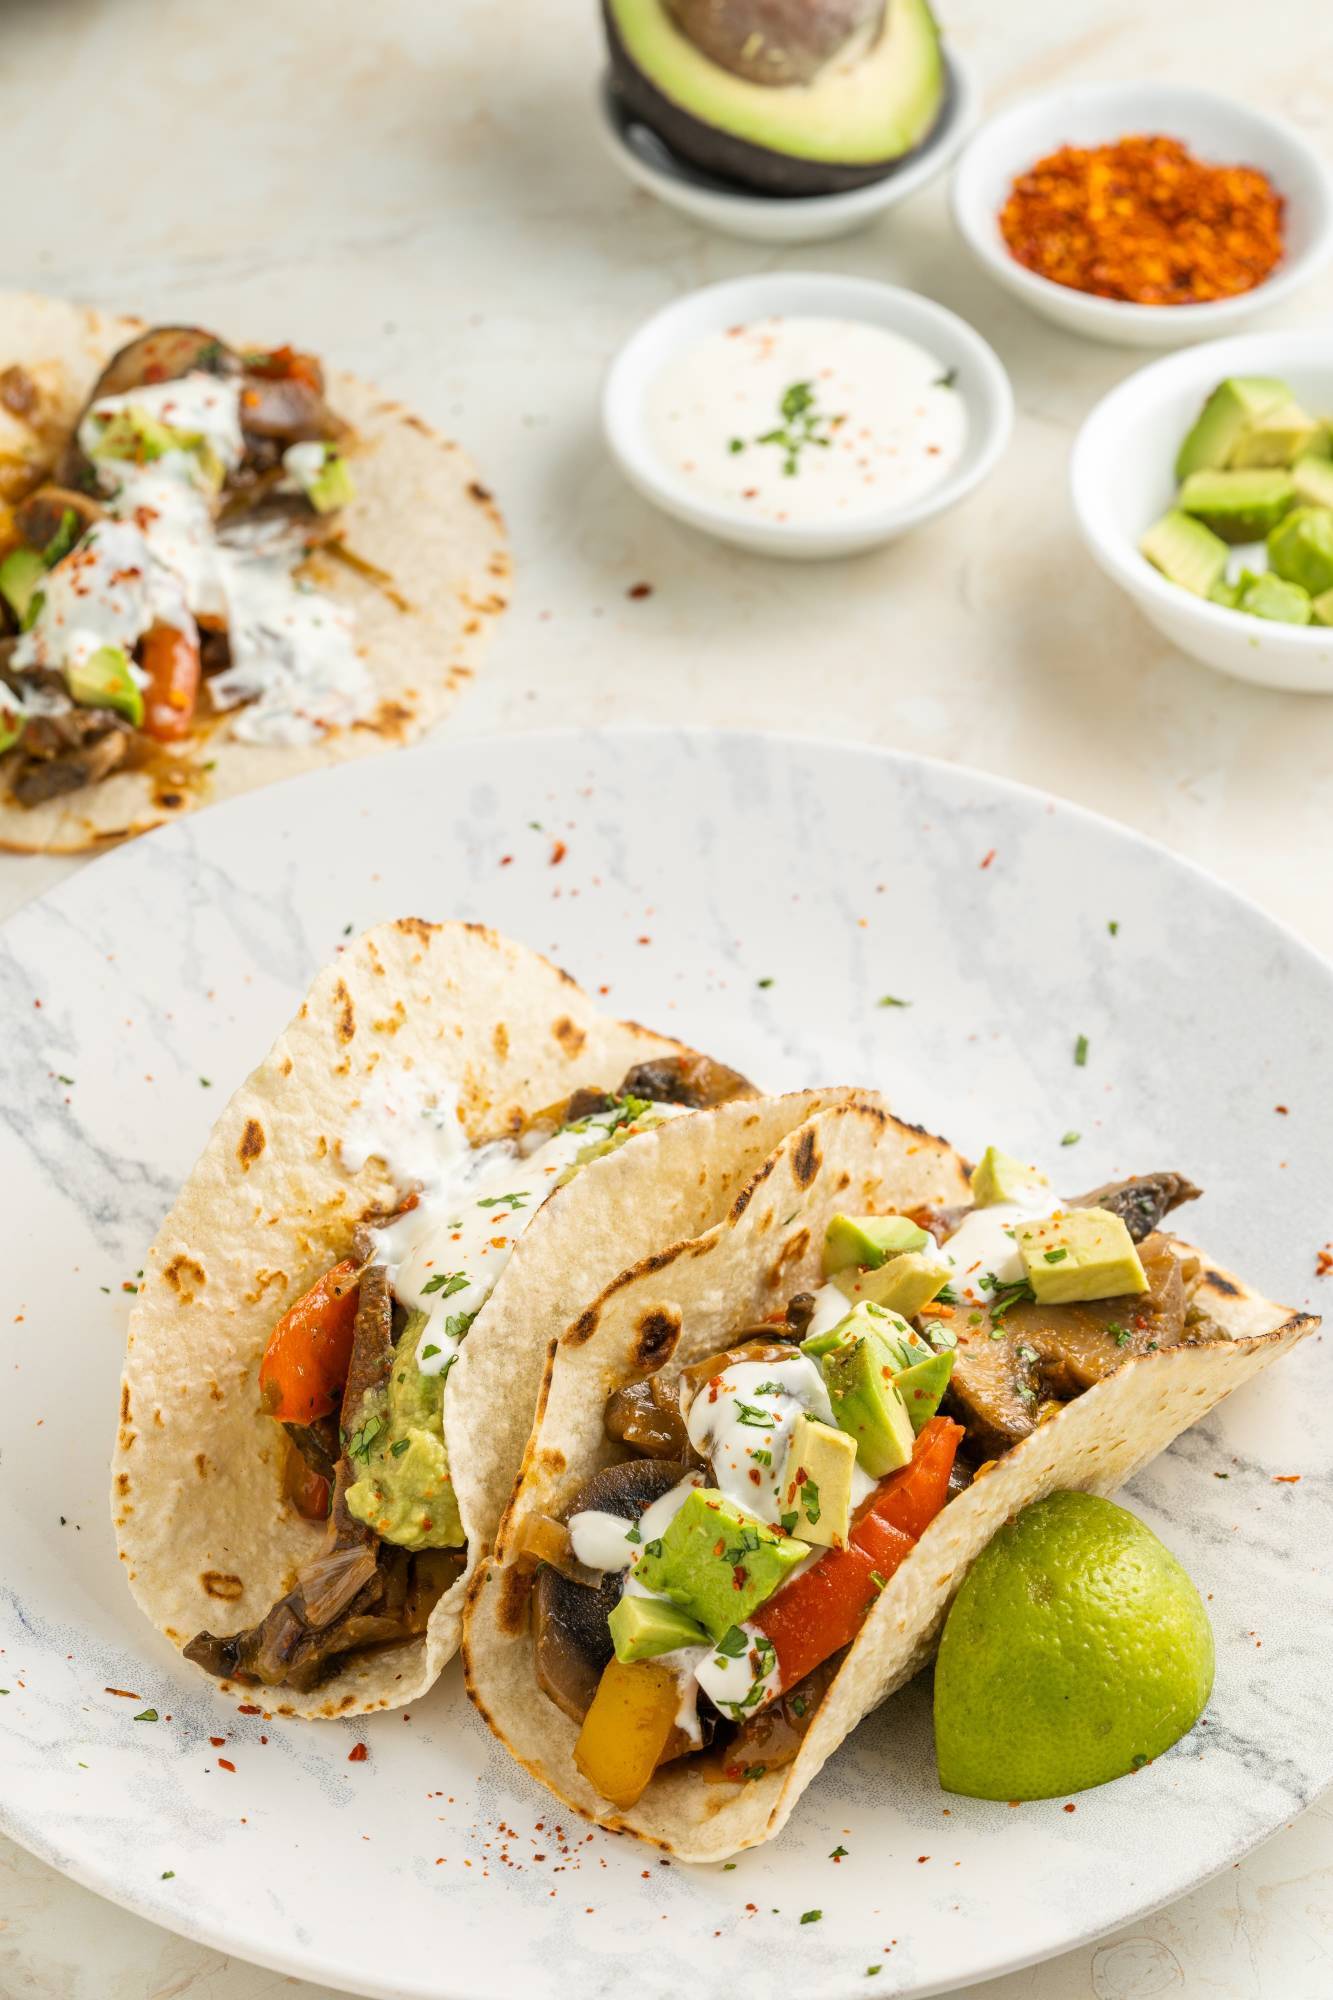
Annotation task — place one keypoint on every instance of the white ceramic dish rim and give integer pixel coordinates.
(978, 225)
(889, 306)
(305, 1965)
(935, 153)
(1210, 363)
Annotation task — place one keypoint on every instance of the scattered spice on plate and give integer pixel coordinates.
(1144, 220)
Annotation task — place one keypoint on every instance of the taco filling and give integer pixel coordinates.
(153, 580)
(697, 1596)
(356, 1371)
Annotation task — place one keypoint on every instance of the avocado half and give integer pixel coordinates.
(845, 112)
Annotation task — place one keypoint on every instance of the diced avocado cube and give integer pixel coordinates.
(1300, 549)
(1185, 551)
(1080, 1254)
(869, 1240)
(923, 1385)
(333, 487)
(998, 1176)
(134, 434)
(105, 681)
(817, 1482)
(21, 575)
(1277, 436)
(1312, 479)
(1239, 506)
(904, 1285)
(1230, 407)
(718, 1564)
(1322, 607)
(1269, 597)
(859, 1380)
(1224, 593)
(865, 1317)
(643, 1627)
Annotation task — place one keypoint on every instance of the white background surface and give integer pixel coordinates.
(417, 190)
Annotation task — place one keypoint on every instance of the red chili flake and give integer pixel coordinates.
(357, 1754)
(1071, 1807)
(643, 940)
(249, 1708)
(124, 1694)
(988, 858)
(217, 1741)
(558, 853)
(923, 1857)
(1323, 1262)
(1286, 1479)
(1281, 1110)
(225, 1764)
(639, 590)
(506, 860)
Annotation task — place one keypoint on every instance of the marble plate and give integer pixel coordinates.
(761, 896)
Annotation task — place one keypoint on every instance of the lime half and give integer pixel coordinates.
(1076, 1651)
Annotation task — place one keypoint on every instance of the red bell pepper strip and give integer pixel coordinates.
(305, 1363)
(824, 1608)
(170, 658)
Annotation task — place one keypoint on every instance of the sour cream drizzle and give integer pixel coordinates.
(445, 1255)
(742, 1423)
(160, 558)
(983, 1245)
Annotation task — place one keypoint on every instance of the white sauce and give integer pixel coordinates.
(602, 1540)
(832, 1306)
(883, 425)
(730, 1683)
(294, 660)
(742, 1423)
(445, 1255)
(108, 590)
(983, 1246)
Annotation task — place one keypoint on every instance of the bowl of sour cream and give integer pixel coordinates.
(806, 415)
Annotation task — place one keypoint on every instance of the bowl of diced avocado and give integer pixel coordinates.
(1203, 485)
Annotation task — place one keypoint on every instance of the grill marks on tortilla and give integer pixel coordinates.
(222, 1584)
(344, 1017)
(656, 1335)
(186, 1277)
(252, 1144)
(570, 1037)
(805, 1160)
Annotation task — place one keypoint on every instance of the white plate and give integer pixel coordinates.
(1122, 479)
(696, 867)
(1216, 128)
(766, 218)
(981, 381)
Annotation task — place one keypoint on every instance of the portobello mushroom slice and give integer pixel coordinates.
(1141, 1202)
(571, 1637)
(1010, 1362)
(693, 1080)
(650, 1415)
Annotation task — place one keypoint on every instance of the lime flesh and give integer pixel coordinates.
(1076, 1651)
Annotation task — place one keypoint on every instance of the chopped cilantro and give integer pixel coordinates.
(891, 1000)
(750, 1415)
(1081, 1052)
(1137, 1761)
(519, 1200)
(770, 1389)
(789, 1522)
(1113, 926)
(879, 1581)
(457, 1324)
(398, 1447)
(1071, 1138)
(946, 1296)
(64, 1079)
(447, 1282)
(811, 1916)
(653, 1548)
(358, 1445)
(765, 983)
(839, 1853)
(733, 1643)
(168, 1874)
(146, 1715)
(1122, 1334)
(810, 1500)
(205, 1083)
(1054, 1256)
(633, 1535)
(429, 1351)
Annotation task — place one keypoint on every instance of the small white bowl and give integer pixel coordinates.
(1121, 480)
(1217, 129)
(766, 218)
(981, 382)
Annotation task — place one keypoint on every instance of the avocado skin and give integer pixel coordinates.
(752, 169)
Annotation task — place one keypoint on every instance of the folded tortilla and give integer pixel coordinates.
(685, 1301)
(421, 520)
(204, 1531)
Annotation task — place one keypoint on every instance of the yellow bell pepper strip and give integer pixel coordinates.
(627, 1729)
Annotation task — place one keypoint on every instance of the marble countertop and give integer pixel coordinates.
(419, 192)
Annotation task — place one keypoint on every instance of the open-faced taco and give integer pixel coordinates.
(340, 1334)
(216, 568)
(765, 1457)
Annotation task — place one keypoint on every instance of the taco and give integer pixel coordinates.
(764, 1457)
(339, 1338)
(216, 569)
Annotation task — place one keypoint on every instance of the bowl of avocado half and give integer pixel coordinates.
(781, 121)
(1203, 486)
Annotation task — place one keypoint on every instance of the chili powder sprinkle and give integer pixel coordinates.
(1143, 220)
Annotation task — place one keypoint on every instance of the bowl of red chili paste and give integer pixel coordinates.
(1151, 214)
